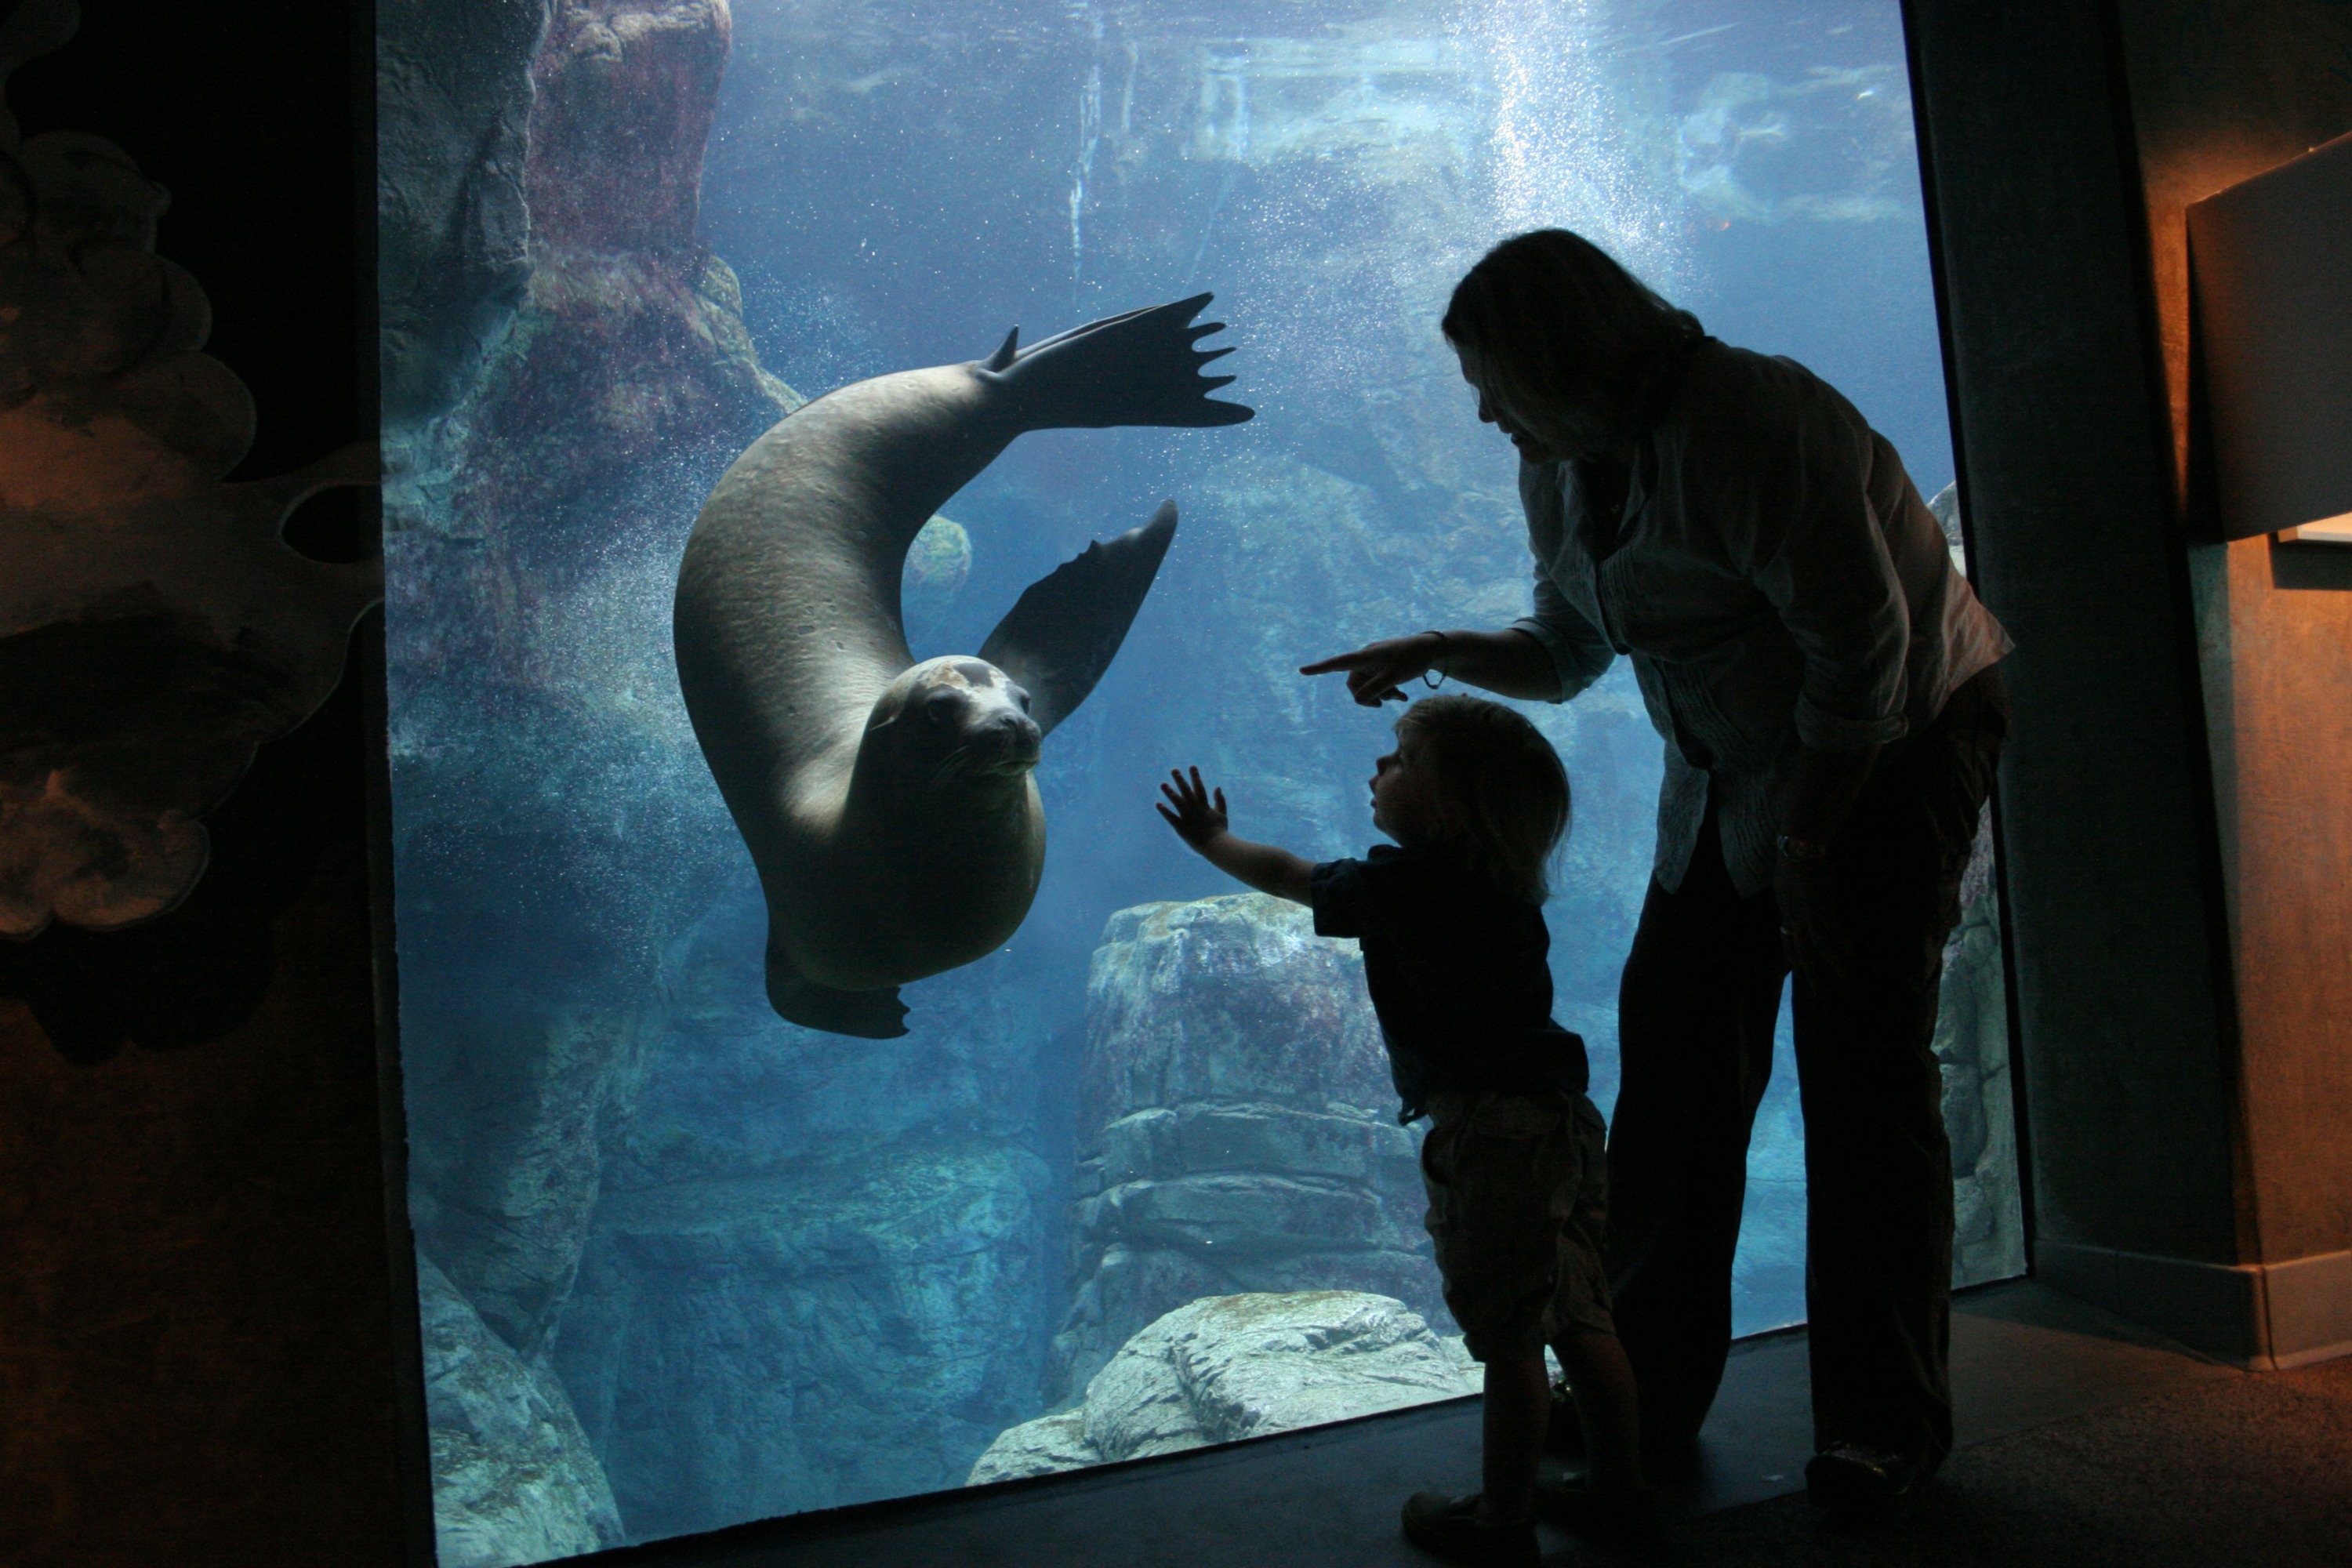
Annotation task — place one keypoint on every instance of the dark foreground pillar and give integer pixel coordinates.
(208, 1321)
(2171, 1180)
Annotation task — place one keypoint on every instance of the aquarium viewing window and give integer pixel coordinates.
(685, 1264)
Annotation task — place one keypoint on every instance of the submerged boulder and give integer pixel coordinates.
(567, 373)
(1972, 1047)
(1230, 1367)
(809, 1335)
(1237, 1126)
(513, 1478)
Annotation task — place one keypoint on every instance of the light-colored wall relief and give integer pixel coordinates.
(154, 626)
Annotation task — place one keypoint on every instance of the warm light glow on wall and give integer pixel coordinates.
(2270, 258)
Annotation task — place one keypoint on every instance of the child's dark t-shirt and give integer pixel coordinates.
(1457, 971)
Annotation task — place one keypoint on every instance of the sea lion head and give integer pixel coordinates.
(953, 721)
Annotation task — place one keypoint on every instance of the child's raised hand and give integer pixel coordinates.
(1200, 812)
(1197, 813)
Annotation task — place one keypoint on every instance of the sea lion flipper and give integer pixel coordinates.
(1067, 625)
(1139, 368)
(869, 1014)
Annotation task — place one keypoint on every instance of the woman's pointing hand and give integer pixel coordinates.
(1376, 671)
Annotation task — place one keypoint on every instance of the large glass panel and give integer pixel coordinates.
(1133, 1182)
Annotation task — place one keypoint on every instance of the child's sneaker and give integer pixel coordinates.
(1597, 1516)
(1449, 1526)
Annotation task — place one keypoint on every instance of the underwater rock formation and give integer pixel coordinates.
(638, 359)
(623, 95)
(607, 363)
(814, 1275)
(622, 357)
(631, 333)
(453, 83)
(509, 1202)
(1238, 1126)
(1973, 1046)
(807, 1335)
(1762, 151)
(555, 372)
(631, 1173)
(1231, 1368)
(513, 1479)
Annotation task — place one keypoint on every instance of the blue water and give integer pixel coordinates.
(771, 1269)
(1754, 163)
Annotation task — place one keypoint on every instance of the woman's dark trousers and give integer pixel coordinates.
(1700, 995)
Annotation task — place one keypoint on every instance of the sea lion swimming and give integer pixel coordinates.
(890, 805)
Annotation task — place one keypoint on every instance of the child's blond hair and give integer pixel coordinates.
(1500, 791)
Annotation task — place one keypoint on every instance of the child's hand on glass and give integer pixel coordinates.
(1197, 813)
(1198, 817)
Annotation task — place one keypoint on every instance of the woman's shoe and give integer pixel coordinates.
(1862, 1484)
(1449, 1526)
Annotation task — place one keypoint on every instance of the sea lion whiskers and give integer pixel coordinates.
(951, 767)
(1005, 751)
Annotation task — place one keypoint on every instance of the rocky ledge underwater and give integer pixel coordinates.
(1229, 1367)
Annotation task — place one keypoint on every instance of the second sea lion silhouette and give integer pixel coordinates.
(888, 805)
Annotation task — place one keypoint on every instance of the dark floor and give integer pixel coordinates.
(2251, 1471)
(2084, 1444)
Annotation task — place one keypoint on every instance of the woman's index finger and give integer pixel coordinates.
(1333, 665)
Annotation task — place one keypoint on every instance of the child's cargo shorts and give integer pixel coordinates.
(1518, 1203)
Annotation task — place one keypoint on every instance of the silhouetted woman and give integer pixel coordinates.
(1825, 683)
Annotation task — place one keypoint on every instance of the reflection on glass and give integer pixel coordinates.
(1134, 1182)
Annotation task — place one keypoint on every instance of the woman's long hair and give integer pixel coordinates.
(1569, 342)
(1498, 788)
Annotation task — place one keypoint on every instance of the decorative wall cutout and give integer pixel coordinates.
(155, 627)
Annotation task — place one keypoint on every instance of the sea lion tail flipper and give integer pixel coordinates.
(868, 1014)
(1142, 368)
(1067, 625)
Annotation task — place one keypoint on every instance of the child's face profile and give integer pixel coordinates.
(1403, 805)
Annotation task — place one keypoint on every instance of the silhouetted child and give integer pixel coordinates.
(1454, 956)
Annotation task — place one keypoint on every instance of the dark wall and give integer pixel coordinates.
(2221, 92)
(198, 1270)
(2105, 798)
(2177, 890)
